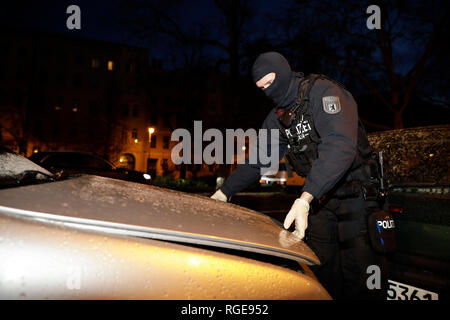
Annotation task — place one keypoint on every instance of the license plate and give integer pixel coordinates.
(401, 291)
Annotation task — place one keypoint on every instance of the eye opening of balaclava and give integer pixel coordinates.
(273, 62)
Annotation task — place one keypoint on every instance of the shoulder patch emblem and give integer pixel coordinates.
(331, 104)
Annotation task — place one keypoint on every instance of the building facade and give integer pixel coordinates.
(59, 92)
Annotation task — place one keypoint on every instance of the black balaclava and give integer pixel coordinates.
(273, 62)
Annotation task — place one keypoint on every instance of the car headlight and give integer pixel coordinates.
(147, 176)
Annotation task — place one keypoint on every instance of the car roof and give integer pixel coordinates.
(122, 207)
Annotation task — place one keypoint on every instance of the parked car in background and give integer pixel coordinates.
(418, 174)
(421, 213)
(284, 177)
(76, 162)
(92, 237)
(279, 179)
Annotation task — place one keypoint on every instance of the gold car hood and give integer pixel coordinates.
(126, 208)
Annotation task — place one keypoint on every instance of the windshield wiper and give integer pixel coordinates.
(28, 177)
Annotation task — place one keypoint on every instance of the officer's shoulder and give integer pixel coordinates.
(271, 120)
(322, 85)
(272, 114)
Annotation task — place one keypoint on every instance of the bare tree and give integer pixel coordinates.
(159, 22)
(388, 62)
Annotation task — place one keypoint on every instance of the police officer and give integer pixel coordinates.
(323, 140)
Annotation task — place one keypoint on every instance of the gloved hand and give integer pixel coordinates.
(219, 195)
(299, 212)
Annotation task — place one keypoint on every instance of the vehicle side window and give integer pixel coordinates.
(88, 161)
(75, 160)
(61, 161)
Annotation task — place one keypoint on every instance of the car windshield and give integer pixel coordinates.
(16, 170)
(75, 160)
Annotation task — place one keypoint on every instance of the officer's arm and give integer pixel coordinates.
(246, 174)
(338, 133)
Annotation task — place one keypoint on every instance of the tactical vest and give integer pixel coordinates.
(298, 128)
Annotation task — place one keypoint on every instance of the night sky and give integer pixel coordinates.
(99, 19)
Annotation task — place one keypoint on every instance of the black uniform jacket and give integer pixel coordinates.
(337, 131)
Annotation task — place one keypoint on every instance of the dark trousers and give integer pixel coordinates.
(343, 270)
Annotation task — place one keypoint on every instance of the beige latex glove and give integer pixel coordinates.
(299, 212)
(219, 195)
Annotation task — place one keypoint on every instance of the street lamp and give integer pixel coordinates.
(150, 131)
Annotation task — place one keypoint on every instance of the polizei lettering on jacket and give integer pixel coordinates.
(301, 130)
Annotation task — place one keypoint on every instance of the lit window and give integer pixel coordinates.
(75, 105)
(127, 160)
(59, 104)
(110, 65)
(95, 63)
